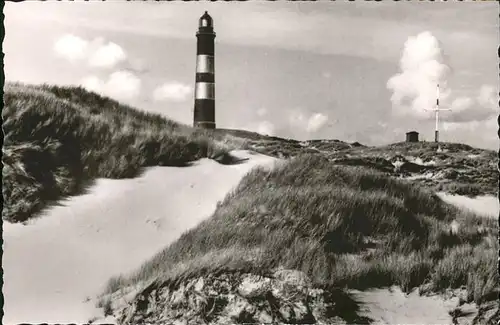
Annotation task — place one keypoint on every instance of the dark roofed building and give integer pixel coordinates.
(412, 136)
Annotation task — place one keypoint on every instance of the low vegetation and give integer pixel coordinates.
(456, 168)
(343, 226)
(57, 139)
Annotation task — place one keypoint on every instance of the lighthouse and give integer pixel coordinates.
(204, 93)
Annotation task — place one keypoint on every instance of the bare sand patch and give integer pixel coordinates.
(392, 306)
(485, 205)
(56, 263)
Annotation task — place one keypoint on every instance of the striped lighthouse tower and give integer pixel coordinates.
(204, 93)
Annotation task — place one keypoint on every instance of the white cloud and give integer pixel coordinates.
(414, 88)
(71, 47)
(172, 91)
(119, 85)
(460, 104)
(261, 127)
(487, 97)
(310, 124)
(93, 83)
(266, 128)
(123, 84)
(97, 52)
(422, 68)
(476, 133)
(107, 55)
(469, 109)
(316, 121)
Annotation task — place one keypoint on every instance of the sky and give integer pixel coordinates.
(354, 71)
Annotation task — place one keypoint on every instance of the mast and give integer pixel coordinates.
(436, 111)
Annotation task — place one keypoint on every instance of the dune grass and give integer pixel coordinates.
(57, 139)
(459, 169)
(344, 226)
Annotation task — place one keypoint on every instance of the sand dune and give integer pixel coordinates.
(53, 264)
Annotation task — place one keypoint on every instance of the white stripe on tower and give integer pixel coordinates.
(205, 90)
(205, 63)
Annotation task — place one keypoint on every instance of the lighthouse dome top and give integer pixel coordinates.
(206, 20)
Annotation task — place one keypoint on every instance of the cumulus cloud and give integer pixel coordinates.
(120, 85)
(414, 88)
(310, 124)
(262, 127)
(469, 109)
(93, 83)
(476, 133)
(316, 122)
(422, 68)
(71, 47)
(172, 91)
(107, 55)
(123, 83)
(487, 96)
(266, 128)
(97, 53)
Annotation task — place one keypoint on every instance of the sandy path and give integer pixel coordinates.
(53, 264)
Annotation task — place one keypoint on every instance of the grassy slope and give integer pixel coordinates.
(57, 139)
(343, 226)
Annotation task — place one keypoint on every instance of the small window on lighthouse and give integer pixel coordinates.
(204, 22)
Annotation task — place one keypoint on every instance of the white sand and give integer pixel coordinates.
(54, 263)
(392, 306)
(485, 205)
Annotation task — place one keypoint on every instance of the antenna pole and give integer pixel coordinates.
(436, 132)
(436, 113)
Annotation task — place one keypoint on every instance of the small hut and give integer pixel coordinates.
(412, 136)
